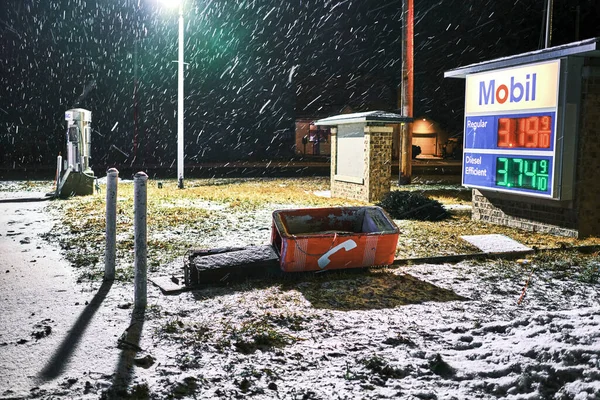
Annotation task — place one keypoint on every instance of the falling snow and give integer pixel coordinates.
(252, 68)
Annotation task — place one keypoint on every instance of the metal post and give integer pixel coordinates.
(577, 21)
(548, 23)
(180, 103)
(140, 234)
(112, 177)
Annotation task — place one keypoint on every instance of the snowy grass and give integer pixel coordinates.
(212, 213)
(26, 186)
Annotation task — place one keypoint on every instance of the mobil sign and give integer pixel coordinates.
(534, 86)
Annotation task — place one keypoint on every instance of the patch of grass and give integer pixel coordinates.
(258, 192)
(92, 274)
(294, 322)
(185, 388)
(136, 392)
(563, 265)
(378, 365)
(569, 265)
(264, 332)
(440, 367)
(259, 334)
(83, 259)
(172, 326)
(27, 186)
(140, 391)
(399, 340)
(590, 273)
(191, 333)
(200, 333)
(212, 208)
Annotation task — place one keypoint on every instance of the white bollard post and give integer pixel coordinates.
(58, 173)
(140, 235)
(58, 168)
(110, 256)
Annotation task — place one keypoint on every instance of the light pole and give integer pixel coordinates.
(180, 102)
(180, 64)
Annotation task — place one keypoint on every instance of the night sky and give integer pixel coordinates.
(254, 66)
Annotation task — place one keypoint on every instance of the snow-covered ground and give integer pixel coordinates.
(450, 331)
(481, 346)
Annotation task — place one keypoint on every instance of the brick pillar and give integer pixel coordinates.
(333, 163)
(377, 161)
(378, 157)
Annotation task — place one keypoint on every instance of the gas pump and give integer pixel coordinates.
(78, 178)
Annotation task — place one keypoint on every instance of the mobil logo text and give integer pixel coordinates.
(515, 89)
(527, 87)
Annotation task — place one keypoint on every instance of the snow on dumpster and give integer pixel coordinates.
(313, 239)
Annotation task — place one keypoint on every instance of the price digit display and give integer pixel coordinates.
(511, 152)
(528, 132)
(522, 173)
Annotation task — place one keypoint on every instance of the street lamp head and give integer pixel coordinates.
(171, 3)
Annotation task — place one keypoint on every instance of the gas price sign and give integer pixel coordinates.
(510, 129)
(530, 132)
(526, 173)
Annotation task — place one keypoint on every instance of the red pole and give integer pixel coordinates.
(410, 33)
(407, 93)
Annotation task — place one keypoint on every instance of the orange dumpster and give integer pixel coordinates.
(314, 239)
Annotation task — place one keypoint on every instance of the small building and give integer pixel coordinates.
(428, 135)
(312, 140)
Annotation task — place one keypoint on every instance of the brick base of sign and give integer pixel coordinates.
(535, 216)
(588, 152)
(378, 167)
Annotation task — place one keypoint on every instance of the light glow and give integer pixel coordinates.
(171, 3)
